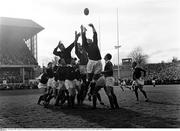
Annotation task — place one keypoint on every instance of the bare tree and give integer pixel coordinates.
(175, 59)
(138, 56)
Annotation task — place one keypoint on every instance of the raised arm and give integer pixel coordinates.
(55, 52)
(70, 47)
(76, 44)
(95, 40)
(84, 39)
(77, 50)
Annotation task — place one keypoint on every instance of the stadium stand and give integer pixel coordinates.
(163, 73)
(18, 62)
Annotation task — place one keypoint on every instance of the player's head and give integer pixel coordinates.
(61, 46)
(73, 61)
(107, 57)
(50, 65)
(62, 62)
(89, 41)
(44, 69)
(134, 64)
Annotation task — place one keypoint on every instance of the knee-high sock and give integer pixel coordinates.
(99, 97)
(115, 100)
(111, 101)
(136, 93)
(94, 101)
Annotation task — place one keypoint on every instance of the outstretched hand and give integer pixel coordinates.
(81, 27)
(59, 44)
(77, 35)
(85, 29)
(91, 25)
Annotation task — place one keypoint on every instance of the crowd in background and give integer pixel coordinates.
(163, 73)
(13, 54)
(11, 76)
(16, 54)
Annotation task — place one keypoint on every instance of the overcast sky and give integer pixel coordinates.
(152, 25)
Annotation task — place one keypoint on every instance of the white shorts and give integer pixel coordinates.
(94, 66)
(83, 69)
(41, 85)
(105, 81)
(140, 81)
(101, 81)
(70, 86)
(60, 85)
(51, 82)
(110, 81)
(77, 85)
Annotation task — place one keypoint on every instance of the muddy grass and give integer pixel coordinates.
(18, 108)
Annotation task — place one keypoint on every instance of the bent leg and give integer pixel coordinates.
(144, 93)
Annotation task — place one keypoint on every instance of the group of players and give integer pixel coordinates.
(86, 77)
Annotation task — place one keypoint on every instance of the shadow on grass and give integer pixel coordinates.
(162, 102)
(120, 118)
(19, 92)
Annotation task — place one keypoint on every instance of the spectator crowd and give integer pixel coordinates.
(16, 54)
(163, 73)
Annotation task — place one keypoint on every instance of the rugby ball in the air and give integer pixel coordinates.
(86, 11)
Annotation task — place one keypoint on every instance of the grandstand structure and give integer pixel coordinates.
(18, 49)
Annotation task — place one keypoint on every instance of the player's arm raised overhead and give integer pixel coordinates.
(84, 39)
(95, 40)
(76, 45)
(55, 52)
(77, 35)
(70, 47)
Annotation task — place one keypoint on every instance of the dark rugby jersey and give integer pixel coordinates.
(44, 78)
(92, 49)
(50, 72)
(70, 73)
(65, 54)
(77, 73)
(83, 57)
(108, 69)
(137, 73)
(60, 73)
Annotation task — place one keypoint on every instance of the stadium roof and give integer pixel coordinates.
(20, 28)
(13, 50)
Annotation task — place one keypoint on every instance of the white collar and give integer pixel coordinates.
(107, 61)
(69, 65)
